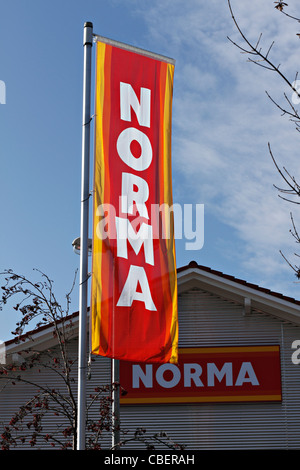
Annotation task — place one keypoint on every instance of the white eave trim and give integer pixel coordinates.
(39, 340)
(235, 291)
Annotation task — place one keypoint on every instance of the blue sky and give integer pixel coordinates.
(222, 122)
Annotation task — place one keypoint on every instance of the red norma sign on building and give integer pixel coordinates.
(223, 374)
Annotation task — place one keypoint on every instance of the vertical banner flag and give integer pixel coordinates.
(134, 281)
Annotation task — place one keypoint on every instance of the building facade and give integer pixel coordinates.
(237, 382)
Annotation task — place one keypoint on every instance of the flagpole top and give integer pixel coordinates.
(88, 33)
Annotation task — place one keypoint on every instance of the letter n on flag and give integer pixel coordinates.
(134, 280)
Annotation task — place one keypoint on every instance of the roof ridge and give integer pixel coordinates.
(194, 264)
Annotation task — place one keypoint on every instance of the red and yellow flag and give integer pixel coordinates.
(134, 281)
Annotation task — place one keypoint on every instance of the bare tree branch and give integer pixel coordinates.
(256, 56)
(294, 188)
(253, 50)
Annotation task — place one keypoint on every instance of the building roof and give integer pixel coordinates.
(195, 266)
(252, 296)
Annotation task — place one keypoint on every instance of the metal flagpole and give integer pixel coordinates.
(82, 346)
(115, 363)
(115, 393)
